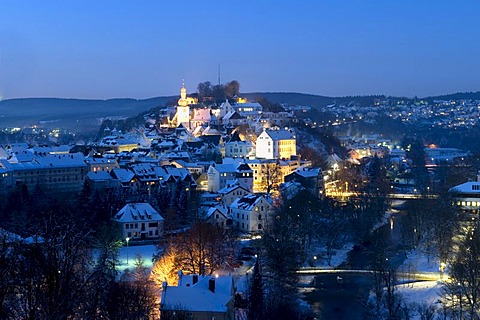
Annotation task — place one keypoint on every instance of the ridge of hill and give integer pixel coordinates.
(82, 113)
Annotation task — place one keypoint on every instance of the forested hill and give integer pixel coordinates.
(304, 99)
(28, 111)
(81, 113)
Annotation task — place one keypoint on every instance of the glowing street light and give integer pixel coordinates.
(127, 239)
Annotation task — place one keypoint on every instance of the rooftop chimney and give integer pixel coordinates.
(211, 285)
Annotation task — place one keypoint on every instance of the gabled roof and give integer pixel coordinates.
(247, 202)
(227, 190)
(220, 209)
(123, 175)
(197, 297)
(137, 212)
(308, 172)
(280, 134)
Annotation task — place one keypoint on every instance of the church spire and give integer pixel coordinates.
(183, 91)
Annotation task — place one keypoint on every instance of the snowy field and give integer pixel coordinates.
(146, 252)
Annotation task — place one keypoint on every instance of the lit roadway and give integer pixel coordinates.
(398, 196)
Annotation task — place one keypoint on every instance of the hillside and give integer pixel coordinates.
(72, 113)
(294, 98)
(82, 114)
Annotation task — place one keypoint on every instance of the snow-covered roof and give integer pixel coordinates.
(308, 172)
(197, 297)
(280, 134)
(123, 175)
(221, 209)
(62, 149)
(225, 168)
(137, 212)
(97, 160)
(247, 202)
(52, 161)
(230, 188)
(467, 187)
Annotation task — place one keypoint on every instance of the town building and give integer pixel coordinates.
(199, 298)
(139, 221)
(219, 216)
(276, 144)
(310, 178)
(251, 213)
(57, 173)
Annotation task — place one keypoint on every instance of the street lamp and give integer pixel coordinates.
(127, 239)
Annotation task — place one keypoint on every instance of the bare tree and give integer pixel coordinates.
(202, 249)
(465, 273)
(271, 177)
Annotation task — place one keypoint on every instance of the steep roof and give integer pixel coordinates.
(280, 134)
(137, 212)
(123, 175)
(247, 202)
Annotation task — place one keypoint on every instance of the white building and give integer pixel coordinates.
(276, 144)
(250, 110)
(239, 149)
(231, 193)
(219, 175)
(139, 221)
(251, 213)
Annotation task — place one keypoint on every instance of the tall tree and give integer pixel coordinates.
(255, 297)
(232, 88)
(465, 272)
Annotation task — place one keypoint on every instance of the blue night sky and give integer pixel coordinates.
(142, 49)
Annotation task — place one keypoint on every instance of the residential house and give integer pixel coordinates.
(251, 213)
(219, 175)
(219, 216)
(139, 221)
(101, 181)
(199, 298)
(310, 178)
(230, 193)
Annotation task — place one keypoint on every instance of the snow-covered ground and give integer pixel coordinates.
(319, 258)
(130, 254)
(422, 294)
(419, 261)
(427, 292)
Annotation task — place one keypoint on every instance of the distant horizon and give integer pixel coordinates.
(241, 93)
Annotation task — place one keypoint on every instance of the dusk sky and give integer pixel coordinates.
(141, 49)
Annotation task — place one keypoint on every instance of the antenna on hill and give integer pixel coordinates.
(219, 74)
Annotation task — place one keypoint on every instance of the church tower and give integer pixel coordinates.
(183, 109)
